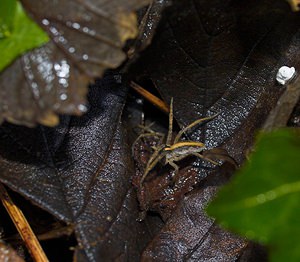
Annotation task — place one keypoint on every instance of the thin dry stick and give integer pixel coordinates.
(150, 97)
(56, 233)
(23, 227)
(294, 4)
(280, 115)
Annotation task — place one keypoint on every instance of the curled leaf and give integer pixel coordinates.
(87, 38)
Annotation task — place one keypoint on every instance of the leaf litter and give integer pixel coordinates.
(243, 72)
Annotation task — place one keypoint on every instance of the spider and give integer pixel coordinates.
(176, 150)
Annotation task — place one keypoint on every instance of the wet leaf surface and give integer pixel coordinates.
(190, 235)
(91, 33)
(149, 18)
(41, 82)
(86, 40)
(227, 55)
(217, 57)
(80, 172)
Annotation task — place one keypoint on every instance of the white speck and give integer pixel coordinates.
(85, 57)
(45, 22)
(109, 218)
(76, 25)
(30, 75)
(285, 74)
(85, 29)
(62, 39)
(71, 49)
(63, 69)
(63, 82)
(63, 97)
(39, 59)
(82, 108)
(34, 85)
(35, 89)
(56, 66)
(53, 30)
(139, 101)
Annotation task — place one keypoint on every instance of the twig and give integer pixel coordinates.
(23, 227)
(294, 4)
(56, 233)
(150, 97)
(280, 115)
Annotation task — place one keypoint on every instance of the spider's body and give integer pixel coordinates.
(174, 153)
(171, 152)
(181, 150)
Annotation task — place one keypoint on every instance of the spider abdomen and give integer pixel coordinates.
(182, 150)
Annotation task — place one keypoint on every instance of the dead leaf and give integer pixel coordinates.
(91, 33)
(217, 57)
(222, 57)
(150, 18)
(39, 84)
(79, 172)
(87, 38)
(190, 235)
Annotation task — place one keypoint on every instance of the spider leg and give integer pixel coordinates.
(154, 159)
(152, 134)
(198, 121)
(205, 158)
(176, 167)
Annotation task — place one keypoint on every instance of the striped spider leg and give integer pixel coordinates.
(176, 150)
(147, 132)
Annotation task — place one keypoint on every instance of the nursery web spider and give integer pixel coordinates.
(176, 150)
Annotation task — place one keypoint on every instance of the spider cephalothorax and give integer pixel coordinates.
(176, 150)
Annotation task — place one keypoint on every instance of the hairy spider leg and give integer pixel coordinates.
(206, 159)
(146, 128)
(198, 121)
(152, 134)
(176, 167)
(149, 132)
(154, 159)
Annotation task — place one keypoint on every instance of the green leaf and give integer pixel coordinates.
(19, 33)
(7, 14)
(262, 200)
